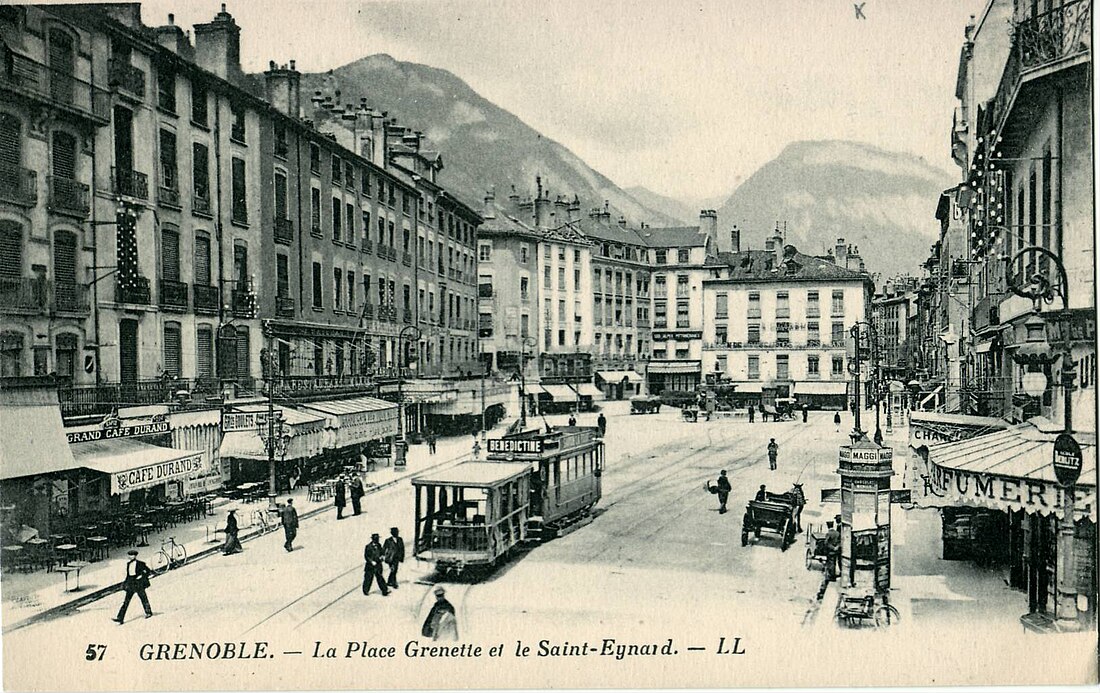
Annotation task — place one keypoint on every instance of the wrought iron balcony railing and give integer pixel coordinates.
(130, 183)
(200, 203)
(138, 293)
(68, 196)
(23, 295)
(284, 306)
(284, 230)
(70, 297)
(18, 185)
(55, 87)
(123, 75)
(173, 294)
(206, 298)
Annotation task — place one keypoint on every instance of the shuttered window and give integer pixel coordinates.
(61, 66)
(200, 170)
(240, 196)
(64, 270)
(11, 142)
(243, 368)
(202, 259)
(170, 253)
(282, 275)
(63, 155)
(280, 195)
(172, 349)
(204, 352)
(11, 250)
(169, 177)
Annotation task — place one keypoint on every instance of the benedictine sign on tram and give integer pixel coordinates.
(518, 445)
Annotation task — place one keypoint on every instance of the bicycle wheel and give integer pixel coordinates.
(886, 615)
(179, 555)
(160, 562)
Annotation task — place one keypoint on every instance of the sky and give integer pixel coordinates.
(686, 98)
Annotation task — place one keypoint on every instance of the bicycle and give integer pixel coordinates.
(171, 555)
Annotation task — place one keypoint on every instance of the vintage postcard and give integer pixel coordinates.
(361, 344)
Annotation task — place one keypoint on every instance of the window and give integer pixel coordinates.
(366, 227)
(754, 368)
(721, 334)
(838, 304)
(782, 333)
(561, 337)
(317, 300)
(782, 367)
(659, 287)
(337, 170)
(351, 291)
(682, 255)
(282, 275)
(661, 256)
(337, 288)
(838, 366)
(754, 333)
(405, 209)
(523, 294)
(721, 306)
(682, 290)
(337, 232)
(813, 333)
(660, 354)
(682, 318)
(314, 157)
(198, 103)
(166, 89)
(390, 225)
(315, 211)
(204, 352)
(172, 349)
(813, 306)
(406, 240)
(169, 175)
(281, 145)
(754, 304)
(576, 280)
(349, 174)
(782, 305)
(280, 195)
(202, 259)
(364, 182)
(660, 314)
(237, 128)
(65, 355)
(837, 336)
(524, 253)
(813, 366)
(381, 232)
(170, 253)
(561, 310)
(484, 252)
(391, 198)
(240, 195)
(561, 279)
(11, 354)
(200, 174)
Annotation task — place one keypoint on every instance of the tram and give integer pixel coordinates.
(533, 486)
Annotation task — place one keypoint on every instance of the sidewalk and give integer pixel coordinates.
(29, 597)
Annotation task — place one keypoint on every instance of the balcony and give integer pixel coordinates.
(130, 183)
(406, 259)
(200, 204)
(98, 400)
(367, 246)
(70, 297)
(243, 301)
(284, 231)
(987, 313)
(206, 298)
(137, 294)
(387, 253)
(368, 311)
(68, 196)
(173, 295)
(407, 316)
(23, 295)
(284, 306)
(126, 77)
(59, 89)
(169, 195)
(18, 186)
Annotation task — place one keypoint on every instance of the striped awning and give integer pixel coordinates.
(560, 392)
(355, 421)
(587, 390)
(815, 388)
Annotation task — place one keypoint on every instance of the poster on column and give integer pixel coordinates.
(327, 203)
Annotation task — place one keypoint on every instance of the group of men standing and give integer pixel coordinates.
(343, 488)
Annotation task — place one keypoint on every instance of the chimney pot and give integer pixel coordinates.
(292, 65)
(223, 8)
(171, 19)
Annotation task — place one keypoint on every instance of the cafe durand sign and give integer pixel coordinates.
(153, 474)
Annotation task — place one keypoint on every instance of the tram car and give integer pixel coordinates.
(533, 486)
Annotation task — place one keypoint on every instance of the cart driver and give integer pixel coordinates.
(832, 551)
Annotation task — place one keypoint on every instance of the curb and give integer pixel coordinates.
(102, 592)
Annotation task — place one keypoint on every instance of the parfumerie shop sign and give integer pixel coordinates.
(154, 474)
(1007, 492)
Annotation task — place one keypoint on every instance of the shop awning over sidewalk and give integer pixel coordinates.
(1011, 470)
(356, 421)
(242, 438)
(133, 464)
(32, 438)
(619, 376)
(821, 388)
(674, 367)
(587, 390)
(561, 393)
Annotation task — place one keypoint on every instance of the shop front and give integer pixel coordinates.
(298, 444)
(136, 472)
(355, 426)
(829, 396)
(615, 385)
(1002, 506)
(673, 376)
(586, 394)
(557, 399)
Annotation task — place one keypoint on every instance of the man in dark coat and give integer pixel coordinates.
(372, 566)
(357, 492)
(135, 582)
(440, 623)
(805, 413)
(836, 421)
(724, 489)
(289, 515)
(799, 503)
(773, 453)
(340, 497)
(572, 420)
(832, 551)
(601, 423)
(752, 414)
(432, 439)
(762, 493)
(232, 531)
(393, 553)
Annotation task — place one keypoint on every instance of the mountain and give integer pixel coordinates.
(483, 146)
(882, 201)
(678, 210)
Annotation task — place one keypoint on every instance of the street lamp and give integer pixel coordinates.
(527, 341)
(854, 368)
(274, 433)
(403, 360)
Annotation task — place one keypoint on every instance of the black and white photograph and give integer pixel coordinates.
(488, 344)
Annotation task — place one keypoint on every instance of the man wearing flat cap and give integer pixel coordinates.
(440, 623)
(372, 566)
(135, 582)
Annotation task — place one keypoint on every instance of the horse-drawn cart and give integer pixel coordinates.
(775, 513)
(643, 404)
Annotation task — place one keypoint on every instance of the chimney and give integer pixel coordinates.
(490, 198)
(542, 205)
(284, 88)
(605, 214)
(777, 246)
(622, 222)
(513, 197)
(172, 37)
(218, 46)
(708, 224)
(735, 239)
(574, 209)
(840, 258)
(769, 245)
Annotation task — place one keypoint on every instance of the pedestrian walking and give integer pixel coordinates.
(799, 503)
(357, 493)
(340, 497)
(232, 532)
(601, 423)
(135, 582)
(440, 623)
(805, 412)
(477, 449)
(773, 453)
(724, 489)
(432, 439)
(372, 566)
(572, 420)
(752, 414)
(836, 421)
(393, 553)
(289, 515)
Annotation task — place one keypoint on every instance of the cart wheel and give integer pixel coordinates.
(886, 615)
(809, 558)
(744, 538)
(756, 532)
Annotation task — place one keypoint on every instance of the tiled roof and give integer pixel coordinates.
(753, 265)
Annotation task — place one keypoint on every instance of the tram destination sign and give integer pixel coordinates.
(517, 445)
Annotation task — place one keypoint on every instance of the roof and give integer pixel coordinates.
(753, 266)
(32, 440)
(674, 237)
(351, 406)
(477, 474)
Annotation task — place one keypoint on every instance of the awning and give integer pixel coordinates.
(587, 390)
(562, 393)
(133, 464)
(674, 367)
(356, 421)
(1010, 470)
(32, 438)
(983, 348)
(748, 387)
(821, 388)
(307, 437)
(619, 376)
(533, 389)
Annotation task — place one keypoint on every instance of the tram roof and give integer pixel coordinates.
(474, 474)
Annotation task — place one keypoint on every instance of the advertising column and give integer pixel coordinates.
(865, 471)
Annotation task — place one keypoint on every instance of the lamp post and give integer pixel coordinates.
(527, 341)
(412, 332)
(274, 432)
(1036, 351)
(854, 368)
